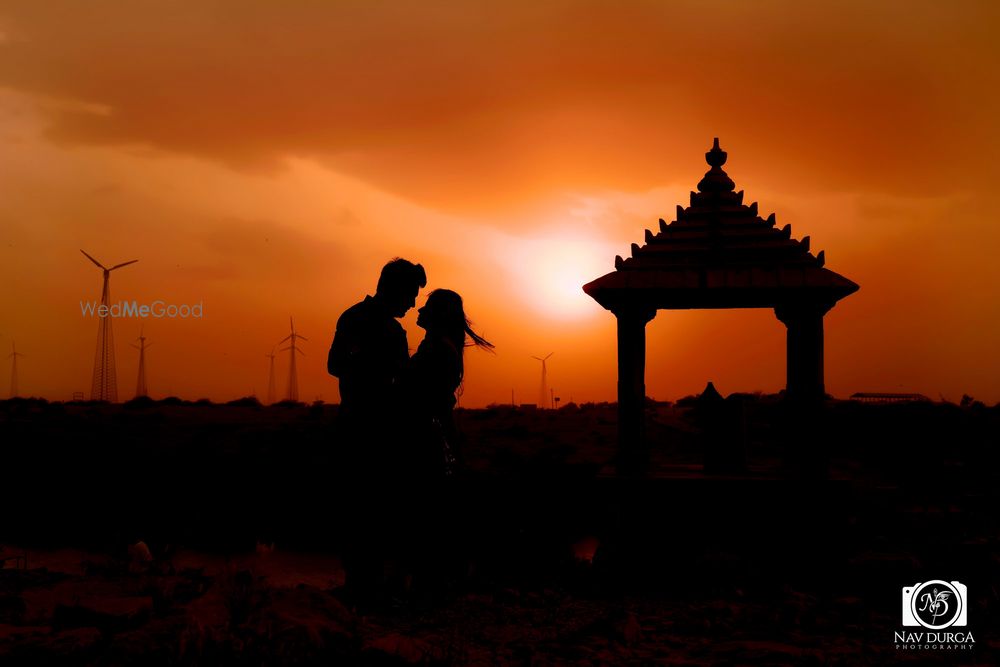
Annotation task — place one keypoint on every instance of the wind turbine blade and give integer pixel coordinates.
(118, 266)
(301, 336)
(93, 260)
(284, 339)
(135, 346)
(550, 354)
(538, 358)
(300, 352)
(284, 348)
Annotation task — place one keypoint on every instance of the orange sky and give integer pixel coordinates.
(266, 159)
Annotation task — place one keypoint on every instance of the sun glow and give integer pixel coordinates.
(552, 270)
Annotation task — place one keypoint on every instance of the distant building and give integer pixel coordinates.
(868, 397)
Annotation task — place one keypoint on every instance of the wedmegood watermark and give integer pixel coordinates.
(133, 308)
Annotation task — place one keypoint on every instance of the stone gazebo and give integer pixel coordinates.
(718, 253)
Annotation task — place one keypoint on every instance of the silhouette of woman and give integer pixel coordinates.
(427, 387)
(428, 455)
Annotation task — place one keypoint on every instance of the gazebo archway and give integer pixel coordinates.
(717, 253)
(740, 350)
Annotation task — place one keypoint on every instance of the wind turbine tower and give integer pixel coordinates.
(272, 391)
(140, 385)
(293, 376)
(14, 354)
(543, 391)
(105, 384)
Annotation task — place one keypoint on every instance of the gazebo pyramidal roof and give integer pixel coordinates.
(719, 253)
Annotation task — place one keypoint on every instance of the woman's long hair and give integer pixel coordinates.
(446, 317)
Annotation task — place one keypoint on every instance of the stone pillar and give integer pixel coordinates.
(633, 455)
(804, 371)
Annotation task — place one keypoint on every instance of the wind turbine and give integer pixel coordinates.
(271, 389)
(105, 384)
(13, 369)
(543, 391)
(293, 376)
(140, 385)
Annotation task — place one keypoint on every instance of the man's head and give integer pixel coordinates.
(399, 284)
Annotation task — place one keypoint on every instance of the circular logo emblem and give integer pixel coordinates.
(936, 604)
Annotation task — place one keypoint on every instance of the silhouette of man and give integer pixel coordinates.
(369, 351)
(369, 348)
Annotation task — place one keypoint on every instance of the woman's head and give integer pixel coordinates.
(444, 315)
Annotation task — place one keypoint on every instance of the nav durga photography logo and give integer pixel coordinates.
(935, 605)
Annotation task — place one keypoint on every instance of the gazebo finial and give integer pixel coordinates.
(716, 157)
(716, 180)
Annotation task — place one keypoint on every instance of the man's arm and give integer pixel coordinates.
(344, 350)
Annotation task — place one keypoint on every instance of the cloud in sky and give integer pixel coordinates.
(464, 105)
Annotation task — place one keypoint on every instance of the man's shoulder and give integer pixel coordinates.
(367, 314)
(360, 311)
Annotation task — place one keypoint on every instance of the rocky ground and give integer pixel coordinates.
(139, 526)
(74, 608)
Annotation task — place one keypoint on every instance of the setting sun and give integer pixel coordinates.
(552, 270)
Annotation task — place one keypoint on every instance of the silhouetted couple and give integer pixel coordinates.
(395, 427)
